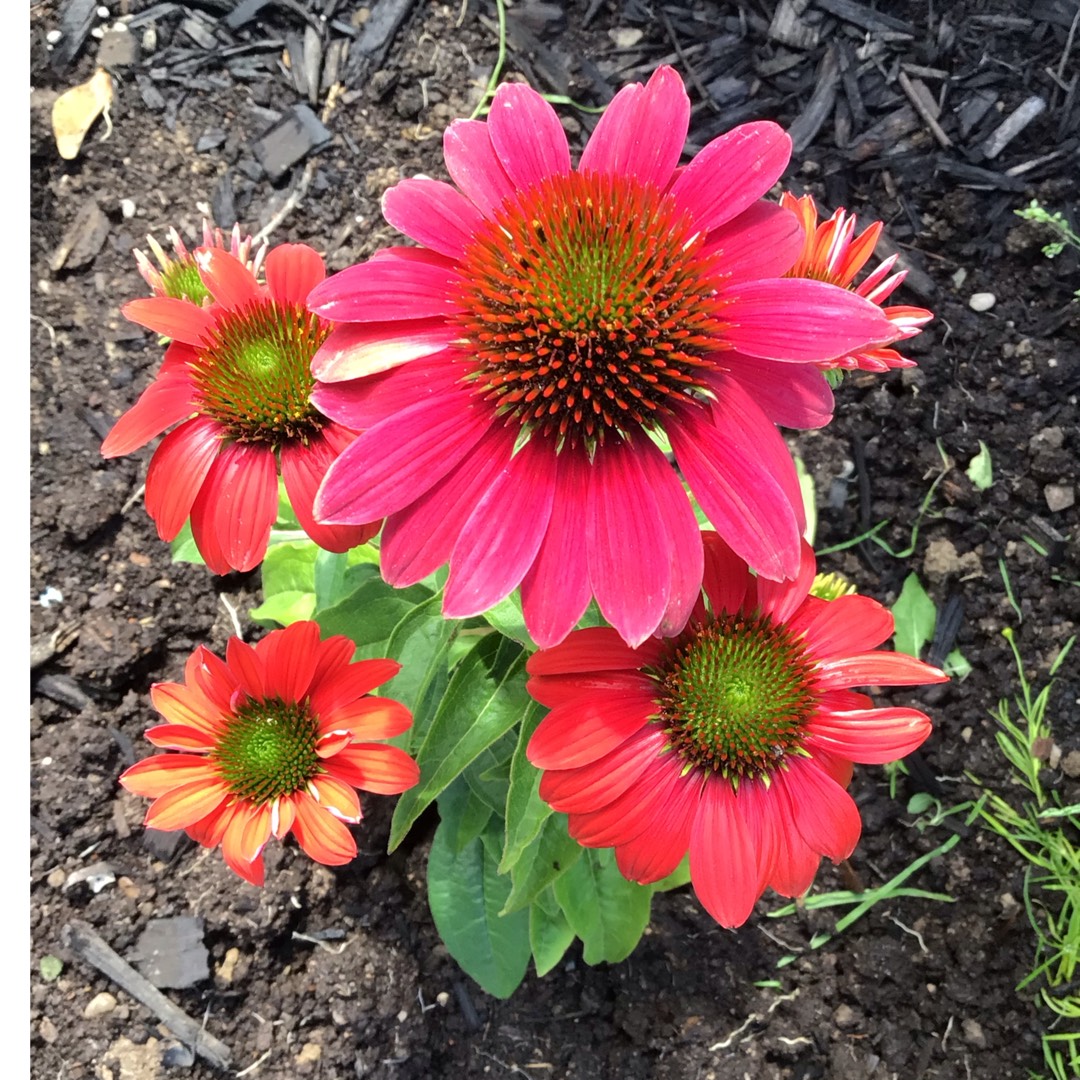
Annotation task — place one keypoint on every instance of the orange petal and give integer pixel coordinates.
(338, 797)
(368, 718)
(155, 776)
(180, 737)
(185, 805)
(321, 835)
(188, 707)
(384, 770)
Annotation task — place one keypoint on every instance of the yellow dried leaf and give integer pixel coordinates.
(75, 111)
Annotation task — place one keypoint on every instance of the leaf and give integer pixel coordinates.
(50, 967)
(956, 665)
(525, 811)
(605, 910)
(485, 698)
(542, 862)
(183, 548)
(285, 608)
(489, 774)
(676, 879)
(370, 613)
(916, 617)
(549, 936)
(288, 576)
(507, 617)
(466, 893)
(981, 470)
(463, 815)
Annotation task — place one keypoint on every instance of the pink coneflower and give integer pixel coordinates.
(833, 253)
(237, 378)
(515, 369)
(733, 741)
(273, 740)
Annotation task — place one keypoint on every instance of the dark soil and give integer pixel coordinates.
(916, 988)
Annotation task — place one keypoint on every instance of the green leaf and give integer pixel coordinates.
(50, 967)
(981, 470)
(466, 893)
(605, 910)
(676, 879)
(809, 499)
(916, 617)
(957, 665)
(506, 617)
(370, 613)
(525, 811)
(288, 576)
(463, 815)
(542, 862)
(549, 935)
(183, 547)
(489, 774)
(486, 697)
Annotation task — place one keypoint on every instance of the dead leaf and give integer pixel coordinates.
(75, 111)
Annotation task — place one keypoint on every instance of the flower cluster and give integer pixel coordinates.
(544, 389)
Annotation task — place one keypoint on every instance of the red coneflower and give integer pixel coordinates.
(515, 369)
(274, 739)
(733, 741)
(833, 253)
(237, 378)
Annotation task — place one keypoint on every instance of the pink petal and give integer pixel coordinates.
(399, 460)
(732, 172)
(579, 732)
(741, 474)
(474, 166)
(230, 282)
(178, 319)
(628, 547)
(362, 403)
(165, 402)
(177, 472)
(824, 813)
(303, 468)
(762, 242)
(726, 576)
(354, 350)
(876, 669)
(870, 736)
(402, 284)
(797, 320)
(434, 214)
(555, 590)
(595, 648)
(724, 863)
(421, 537)
(235, 508)
(584, 789)
(292, 271)
(842, 626)
(527, 135)
(658, 850)
(791, 395)
(642, 131)
(500, 540)
(684, 536)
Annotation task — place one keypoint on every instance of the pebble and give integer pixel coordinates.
(442, 998)
(1048, 438)
(973, 1033)
(47, 1030)
(1070, 764)
(982, 301)
(942, 559)
(99, 1005)
(309, 1054)
(844, 1016)
(1059, 496)
(53, 37)
(56, 878)
(127, 208)
(228, 966)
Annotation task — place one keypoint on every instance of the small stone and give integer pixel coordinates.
(843, 1016)
(1049, 438)
(47, 1030)
(973, 1033)
(56, 878)
(1059, 496)
(128, 888)
(442, 998)
(942, 560)
(982, 301)
(99, 1005)
(128, 208)
(626, 37)
(53, 36)
(227, 968)
(403, 1016)
(1070, 764)
(309, 1054)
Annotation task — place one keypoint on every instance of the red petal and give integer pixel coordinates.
(289, 659)
(292, 271)
(870, 736)
(595, 648)
(383, 770)
(326, 839)
(230, 282)
(876, 669)
(185, 805)
(179, 319)
(165, 402)
(582, 731)
(178, 471)
(824, 813)
(161, 773)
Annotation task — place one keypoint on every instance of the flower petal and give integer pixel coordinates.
(527, 135)
(178, 319)
(326, 839)
(180, 737)
(474, 166)
(161, 773)
(337, 798)
(657, 851)
(732, 172)
(382, 770)
(594, 648)
(368, 718)
(187, 707)
(869, 736)
(503, 534)
(289, 658)
(761, 242)
(581, 731)
(824, 813)
(183, 806)
(166, 401)
(177, 472)
(842, 626)
(348, 687)
(229, 280)
(791, 395)
(356, 350)
(401, 284)
(876, 669)
(642, 131)
(292, 271)
(434, 214)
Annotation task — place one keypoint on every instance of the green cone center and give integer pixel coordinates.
(269, 750)
(589, 308)
(254, 375)
(180, 279)
(735, 694)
